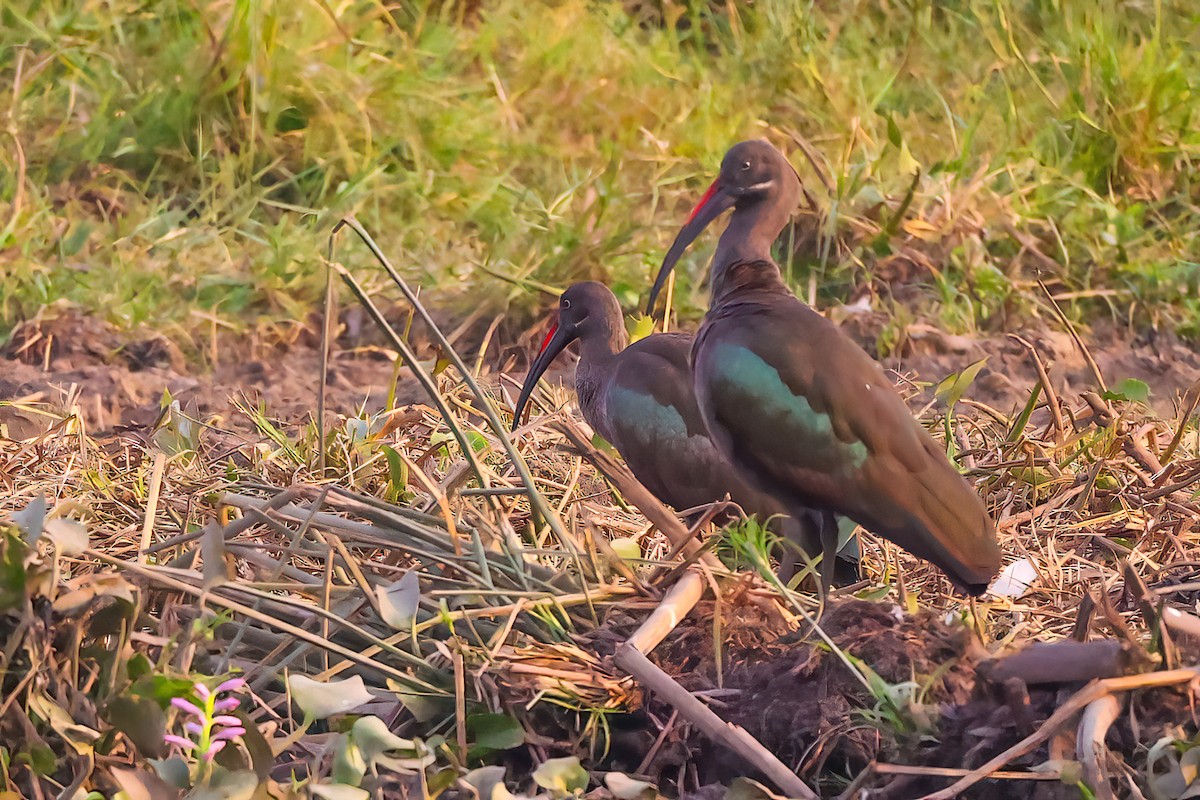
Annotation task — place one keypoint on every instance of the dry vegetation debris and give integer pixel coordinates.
(217, 548)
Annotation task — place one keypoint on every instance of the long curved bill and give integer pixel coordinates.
(714, 203)
(556, 340)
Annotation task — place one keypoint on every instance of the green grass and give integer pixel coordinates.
(182, 160)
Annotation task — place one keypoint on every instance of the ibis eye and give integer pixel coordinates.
(566, 303)
(745, 166)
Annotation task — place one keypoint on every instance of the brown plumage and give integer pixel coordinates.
(802, 410)
(639, 398)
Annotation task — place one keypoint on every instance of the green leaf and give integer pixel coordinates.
(488, 782)
(627, 548)
(349, 763)
(12, 572)
(1130, 389)
(423, 707)
(161, 689)
(953, 387)
(173, 770)
(69, 536)
(337, 791)
(893, 132)
(40, 759)
(562, 777)
(141, 719)
(397, 472)
(226, 785)
(32, 518)
(641, 327)
(624, 787)
(495, 731)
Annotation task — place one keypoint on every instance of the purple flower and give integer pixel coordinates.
(207, 722)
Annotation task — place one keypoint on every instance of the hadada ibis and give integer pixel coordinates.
(639, 398)
(799, 408)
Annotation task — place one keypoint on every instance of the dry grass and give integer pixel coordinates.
(263, 564)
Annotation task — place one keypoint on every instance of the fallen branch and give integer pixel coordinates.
(736, 738)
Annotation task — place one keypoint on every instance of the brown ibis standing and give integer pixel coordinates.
(799, 408)
(639, 398)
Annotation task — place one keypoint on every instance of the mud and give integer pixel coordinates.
(805, 706)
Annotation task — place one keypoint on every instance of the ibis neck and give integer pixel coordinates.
(598, 350)
(743, 259)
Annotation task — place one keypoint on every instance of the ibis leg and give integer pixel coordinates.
(829, 549)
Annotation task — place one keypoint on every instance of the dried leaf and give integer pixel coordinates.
(68, 535)
(32, 518)
(398, 601)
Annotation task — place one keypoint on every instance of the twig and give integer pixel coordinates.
(1094, 723)
(1083, 349)
(327, 322)
(156, 479)
(630, 659)
(1044, 377)
(951, 772)
(675, 605)
(1081, 699)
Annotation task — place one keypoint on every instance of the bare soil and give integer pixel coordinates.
(118, 379)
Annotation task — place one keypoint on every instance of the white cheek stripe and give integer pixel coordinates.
(759, 186)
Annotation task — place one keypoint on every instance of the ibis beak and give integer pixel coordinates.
(714, 203)
(556, 340)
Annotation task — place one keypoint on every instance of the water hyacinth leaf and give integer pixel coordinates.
(747, 789)
(225, 785)
(138, 785)
(1015, 579)
(32, 518)
(371, 734)
(173, 770)
(142, 720)
(495, 731)
(69, 536)
(488, 782)
(624, 787)
(349, 764)
(561, 776)
(321, 700)
(422, 707)
(398, 601)
(336, 791)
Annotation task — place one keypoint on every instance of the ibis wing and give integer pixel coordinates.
(791, 398)
(651, 410)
